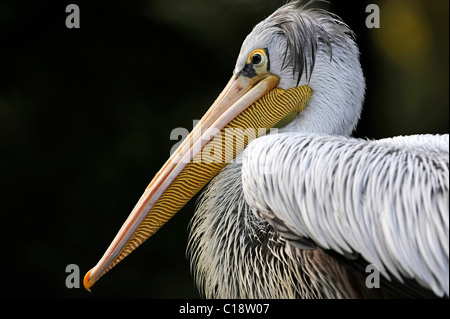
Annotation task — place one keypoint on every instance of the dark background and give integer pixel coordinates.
(86, 115)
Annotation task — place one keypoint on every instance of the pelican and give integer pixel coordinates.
(304, 211)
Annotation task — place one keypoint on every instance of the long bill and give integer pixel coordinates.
(245, 109)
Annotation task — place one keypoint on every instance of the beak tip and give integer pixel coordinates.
(86, 282)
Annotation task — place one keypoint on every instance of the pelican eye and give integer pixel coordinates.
(256, 58)
(257, 63)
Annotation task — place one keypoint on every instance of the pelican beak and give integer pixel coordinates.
(245, 108)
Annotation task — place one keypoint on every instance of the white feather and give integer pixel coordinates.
(387, 200)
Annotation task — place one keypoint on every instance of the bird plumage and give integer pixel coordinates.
(342, 193)
(385, 201)
(311, 46)
(235, 253)
(295, 209)
(300, 213)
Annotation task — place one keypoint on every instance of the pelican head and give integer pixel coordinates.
(309, 46)
(299, 60)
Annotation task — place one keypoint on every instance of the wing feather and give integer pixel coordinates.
(385, 200)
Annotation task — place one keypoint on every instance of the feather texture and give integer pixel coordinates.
(236, 254)
(315, 195)
(386, 200)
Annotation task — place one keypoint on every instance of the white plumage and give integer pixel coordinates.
(386, 200)
(267, 225)
(301, 213)
(317, 48)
